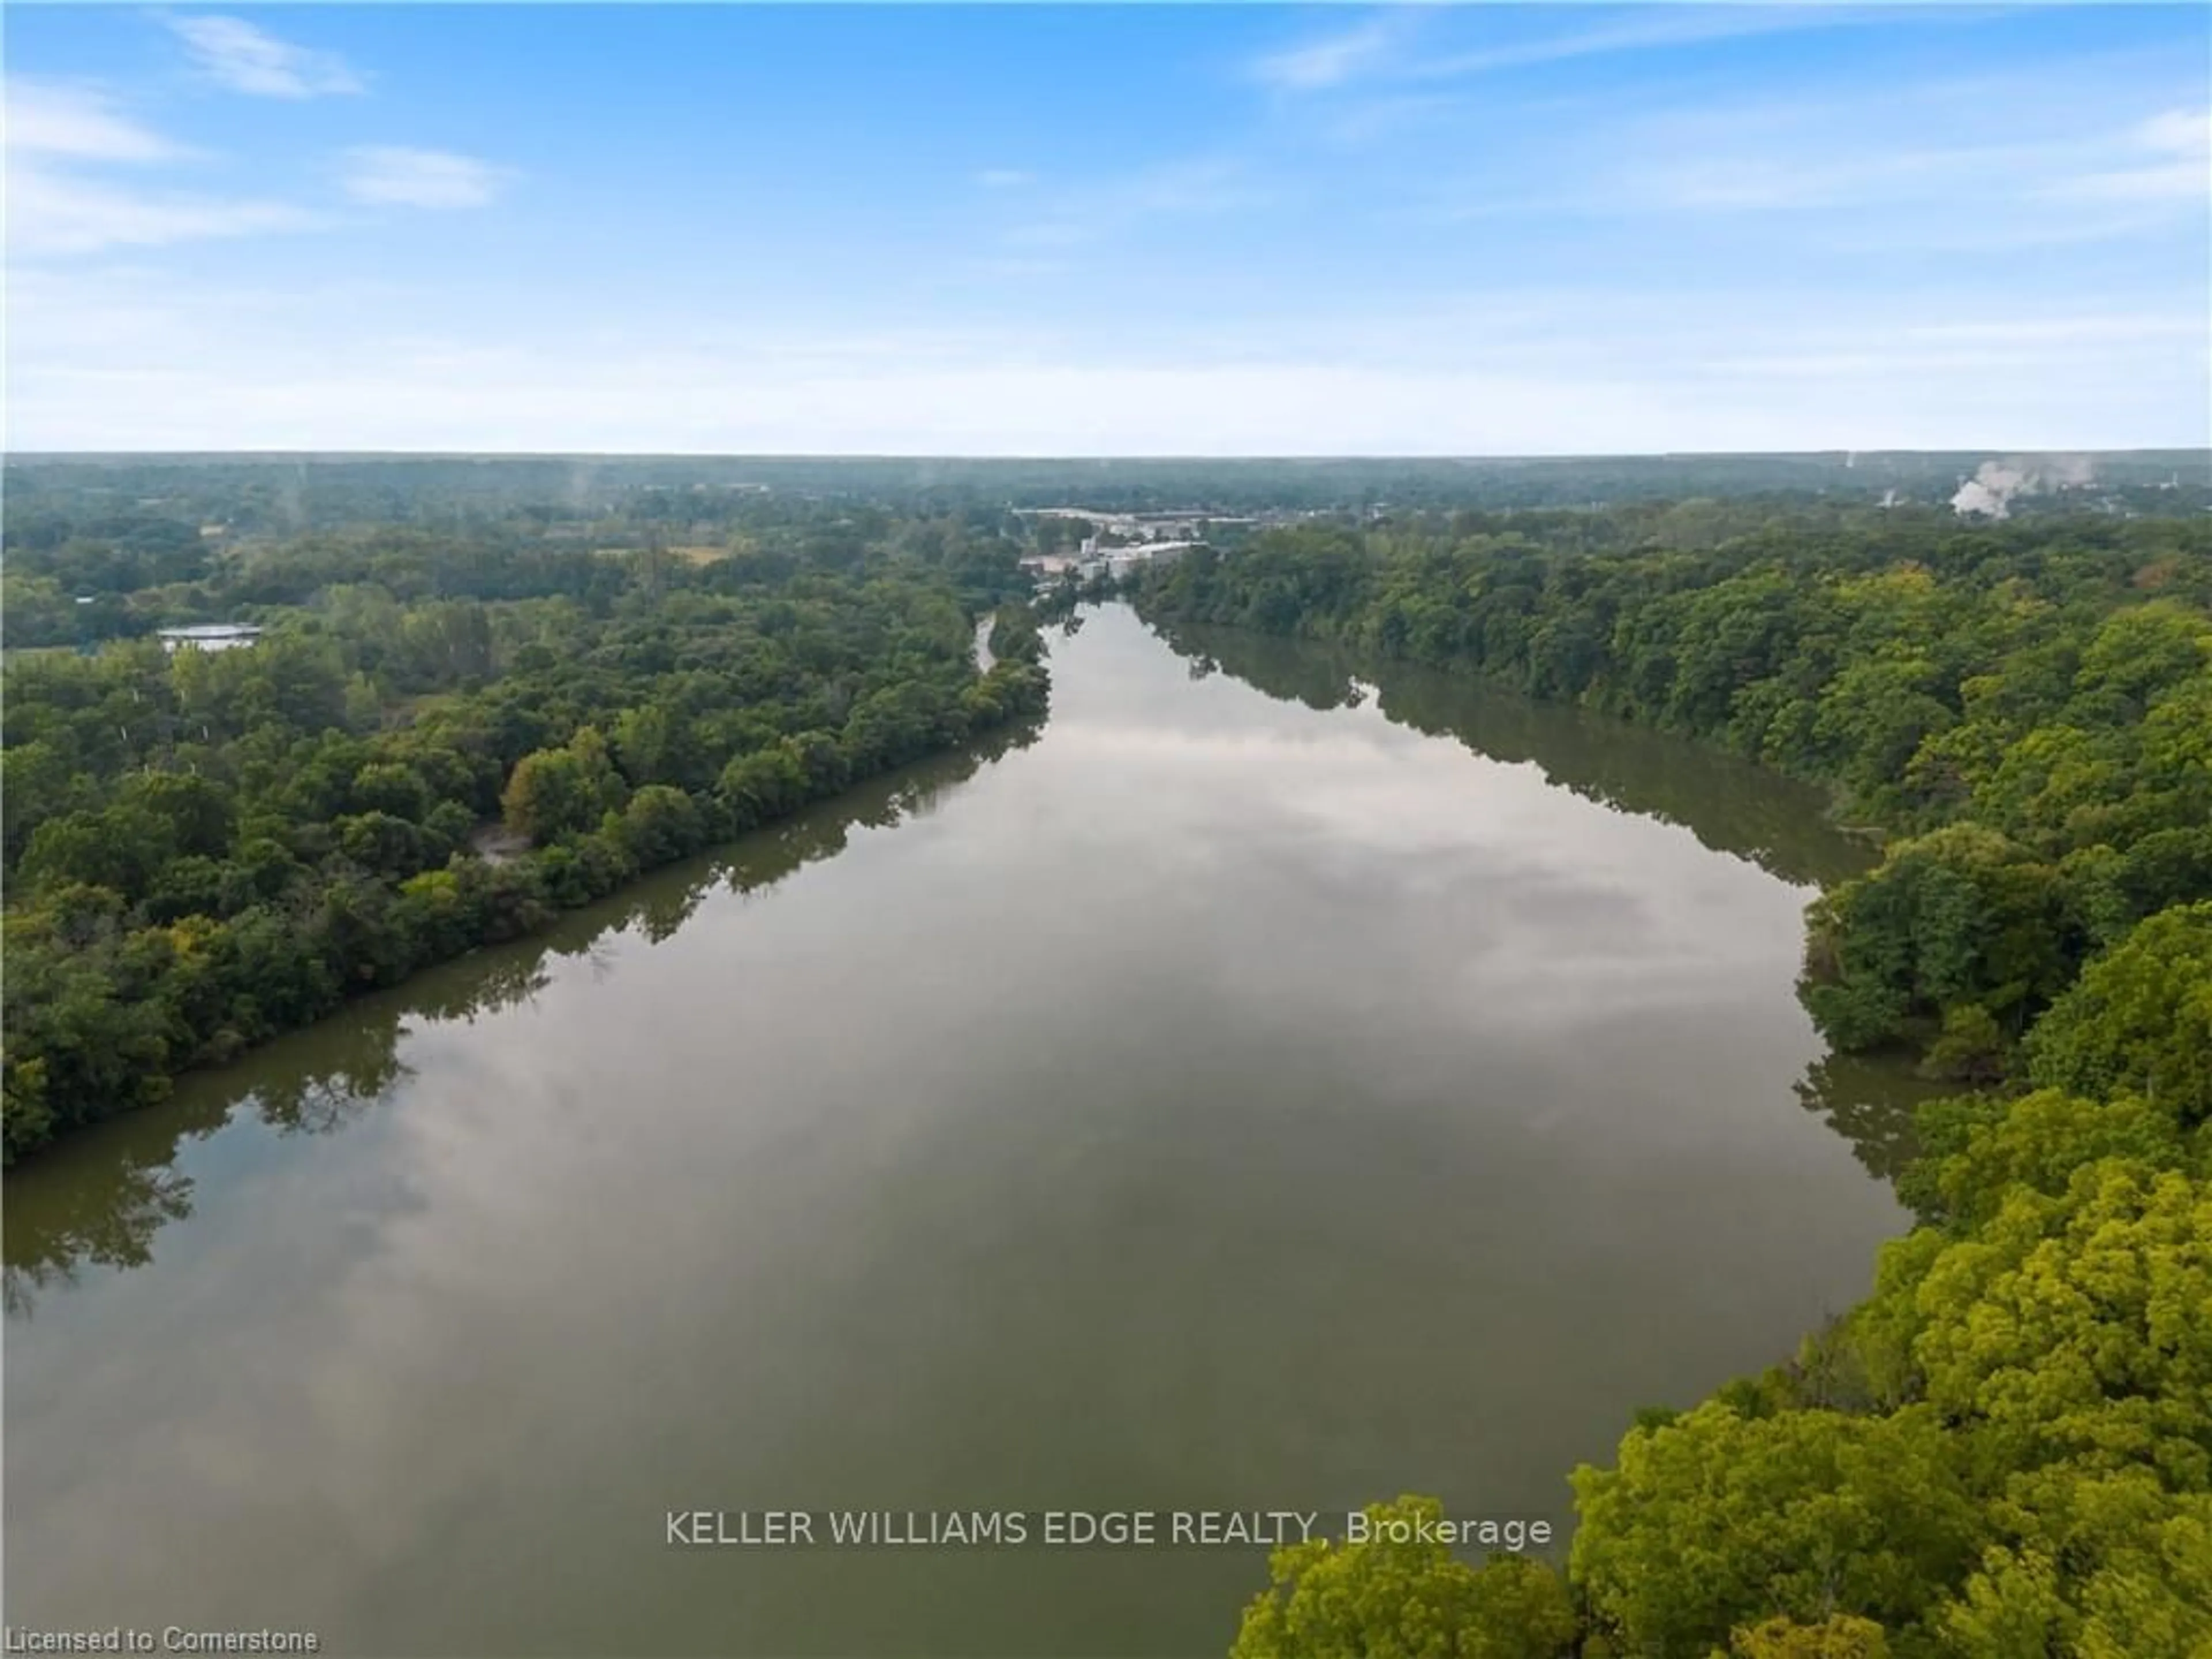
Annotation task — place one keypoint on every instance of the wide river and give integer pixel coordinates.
(1252, 1093)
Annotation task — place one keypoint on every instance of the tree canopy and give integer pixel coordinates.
(431, 747)
(2006, 1450)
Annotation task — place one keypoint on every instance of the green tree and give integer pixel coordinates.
(2139, 1021)
(1717, 1519)
(661, 825)
(564, 791)
(1840, 1636)
(1385, 1598)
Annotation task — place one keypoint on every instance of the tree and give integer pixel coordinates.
(118, 848)
(2078, 1325)
(1961, 916)
(1977, 1150)
(1717, 1519)
(1841, 1636)
(660, 825)
(650, 745)
(392, 786)
(2139, 1021)
(564, 791)
(1382, 1599)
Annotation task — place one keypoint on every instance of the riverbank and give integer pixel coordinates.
(118, 985)
(1084, 1137)
(2032, 726)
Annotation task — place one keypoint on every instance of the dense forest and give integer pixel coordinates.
(54, 1231)
(486, 692)
(2006, 1450)
(435, 743)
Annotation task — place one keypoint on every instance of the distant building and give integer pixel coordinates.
(1123, 561)
(209, 636)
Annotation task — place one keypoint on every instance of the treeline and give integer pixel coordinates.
(291, 493)
(2028, 707)
(2006, 1451)
(1730, 805)
(110, 1212)
(78, 571)
(203, 850)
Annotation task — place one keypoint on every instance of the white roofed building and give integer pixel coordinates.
(209, 636)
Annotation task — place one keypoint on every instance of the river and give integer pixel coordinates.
(1253, 1092)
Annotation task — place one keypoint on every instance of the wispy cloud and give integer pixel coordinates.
(2062, 158)
(1710, 245)
(1331, 59)
(1379, 49)
(1666, 27)
(247, 59)
(1791, 165)
(58, 203)
(2003, 192)
(392, 175)
(2170, 160)
(50, 213)
(80, 123)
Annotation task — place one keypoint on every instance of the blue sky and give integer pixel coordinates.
(1144, 229)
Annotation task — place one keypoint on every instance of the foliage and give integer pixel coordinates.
(2025, 702)
(206, 849)
(1381, 1598)
(1717, 1519)
(2006, 1450)
(1839, 1636)
(2140, 1020)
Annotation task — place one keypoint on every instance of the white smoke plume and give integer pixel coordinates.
(1996, 484)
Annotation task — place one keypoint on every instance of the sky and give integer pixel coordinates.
(1122, 230)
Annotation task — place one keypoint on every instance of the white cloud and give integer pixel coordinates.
(2185, 130)
(2167, 158)
(247, 59)
(1329, 61)
(1374, 49)
(51, 213)
(80, 123)
(1669, 28)
(2058, 160)
(61, 209)
(387, 175)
